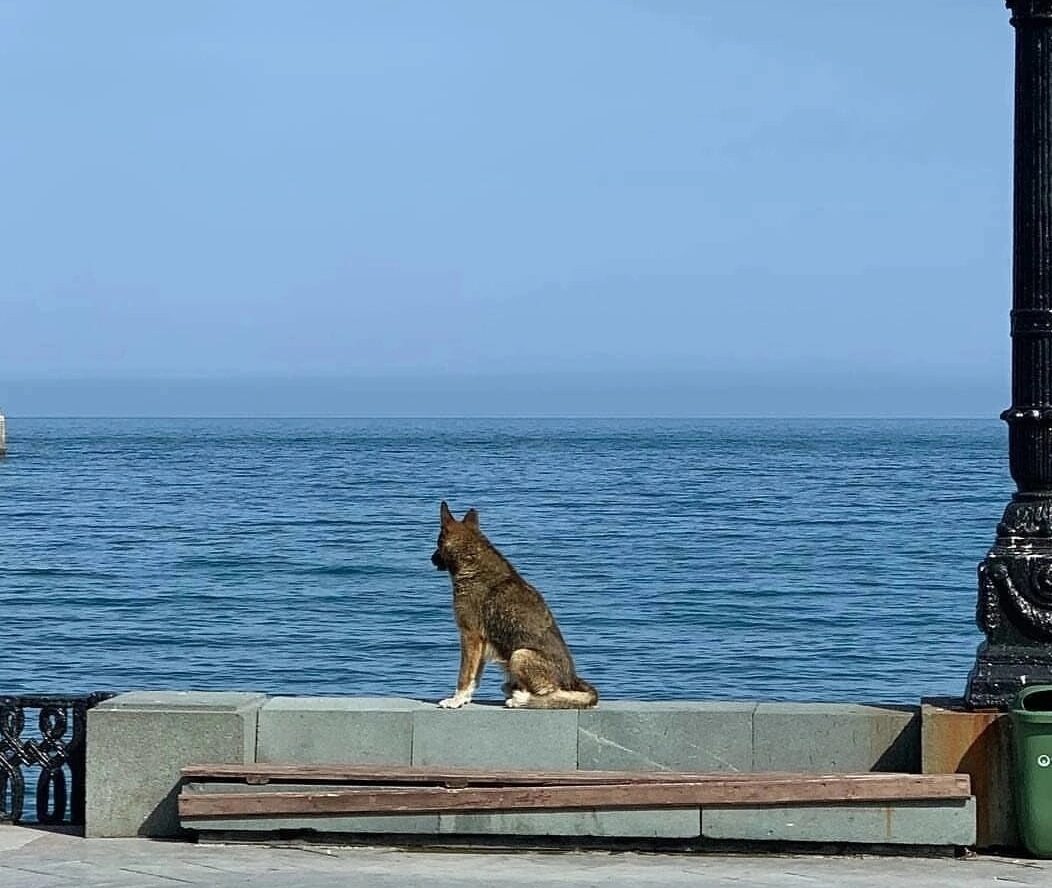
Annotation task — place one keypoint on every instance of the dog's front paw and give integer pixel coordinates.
(454, 702)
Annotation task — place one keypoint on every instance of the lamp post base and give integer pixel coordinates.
(1002, 670)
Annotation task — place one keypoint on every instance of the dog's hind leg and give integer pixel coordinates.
(531, 676)
(537, 683)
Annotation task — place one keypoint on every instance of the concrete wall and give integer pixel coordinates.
(685, 736)
(137, 744)
(956, 740)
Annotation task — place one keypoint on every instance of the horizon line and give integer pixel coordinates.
(502, 416)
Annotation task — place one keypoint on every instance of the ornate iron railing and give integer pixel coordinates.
(54, 745)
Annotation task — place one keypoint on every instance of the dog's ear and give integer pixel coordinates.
(471, 518)
(445, 514)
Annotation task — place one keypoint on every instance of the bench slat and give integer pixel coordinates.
(724, 790)
(404, 774)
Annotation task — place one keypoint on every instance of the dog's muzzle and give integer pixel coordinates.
(438, 561)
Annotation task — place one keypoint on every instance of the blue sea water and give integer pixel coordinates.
(700, 559)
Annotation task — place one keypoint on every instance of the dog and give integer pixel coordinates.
(503, 619)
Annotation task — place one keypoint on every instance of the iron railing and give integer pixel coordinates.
(53, 744)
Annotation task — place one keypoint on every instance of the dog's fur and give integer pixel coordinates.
(503, 618)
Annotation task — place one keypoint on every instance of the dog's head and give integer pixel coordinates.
(453, 537)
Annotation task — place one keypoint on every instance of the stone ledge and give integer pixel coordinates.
(647, 823)
(904, 823)
(137, 743)
(836, 737)
(337, 730)
(492, 736)
(673, 736)
(181, 701)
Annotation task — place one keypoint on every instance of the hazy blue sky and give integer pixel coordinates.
(582, 206)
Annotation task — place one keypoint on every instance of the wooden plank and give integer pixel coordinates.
(800, 789)
(403, 775)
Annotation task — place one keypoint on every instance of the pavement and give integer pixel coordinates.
(32, 858)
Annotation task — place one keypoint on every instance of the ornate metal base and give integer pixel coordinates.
(57, 750)
(1001, 671)
(1015, 606)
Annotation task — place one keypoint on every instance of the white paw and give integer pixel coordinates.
(518, 699)
(455, 702)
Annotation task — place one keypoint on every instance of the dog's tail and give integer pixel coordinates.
(580, 695)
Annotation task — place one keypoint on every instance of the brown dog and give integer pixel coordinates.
(503, 618)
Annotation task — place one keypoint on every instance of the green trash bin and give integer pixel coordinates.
(1032, 724)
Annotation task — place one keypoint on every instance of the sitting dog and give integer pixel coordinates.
(503, 618)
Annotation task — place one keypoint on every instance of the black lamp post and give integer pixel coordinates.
(1015, 579)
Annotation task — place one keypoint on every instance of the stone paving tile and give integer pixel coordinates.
(51, 860)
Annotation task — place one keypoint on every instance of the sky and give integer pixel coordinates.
(582, 207)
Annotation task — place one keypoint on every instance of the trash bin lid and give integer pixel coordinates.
(1033, 704)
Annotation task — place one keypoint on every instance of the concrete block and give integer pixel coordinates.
(337, 730)
(137, 743)
(904, 823)
(671, 823)
(956, 740)
(387, 824)
(836, 737)
(496, 737)
(671, 736)
(391, 824)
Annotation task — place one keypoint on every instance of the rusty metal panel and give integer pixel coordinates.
(955, 739)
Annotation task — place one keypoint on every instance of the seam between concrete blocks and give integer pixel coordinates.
(577, 740)
(255, 729)
(412, 749)
(752, 736)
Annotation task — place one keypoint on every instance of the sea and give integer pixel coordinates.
(709, 559)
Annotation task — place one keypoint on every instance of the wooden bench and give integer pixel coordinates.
(249, 791)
